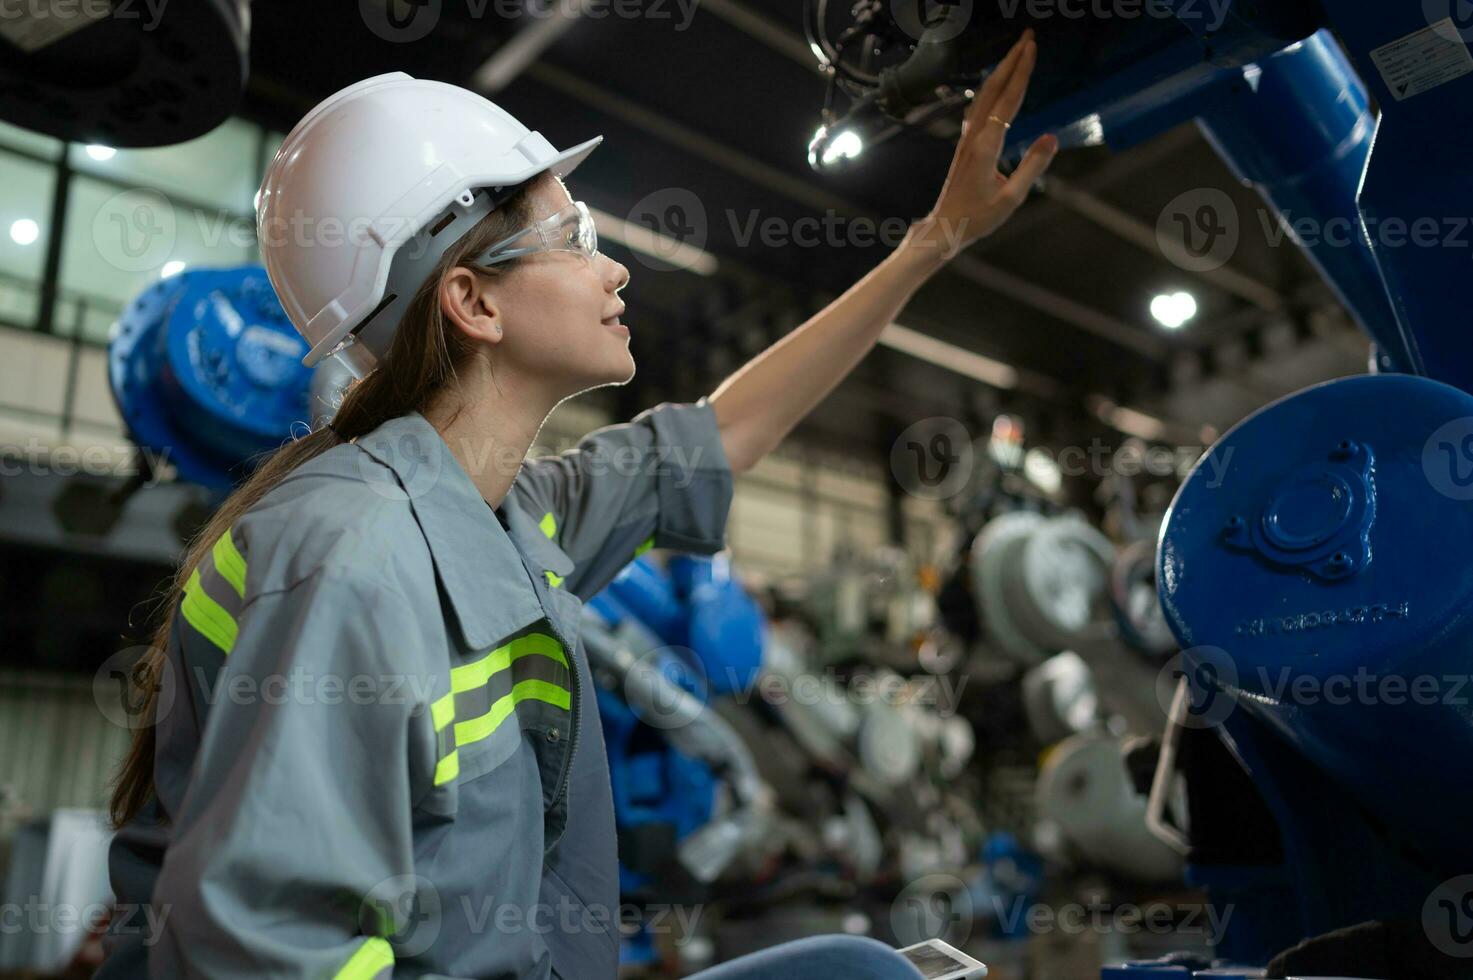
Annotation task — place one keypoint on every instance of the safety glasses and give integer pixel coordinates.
(570, 230)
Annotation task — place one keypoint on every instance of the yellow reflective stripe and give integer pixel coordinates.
(648, 544)
(548, 524)
(553, 579)
(447, 768)
(372, 957)
(229, 563)
(476, 729)
(443, 711)
(471, 676)
(207, 615)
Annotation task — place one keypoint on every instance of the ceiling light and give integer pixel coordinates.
(1172, 310)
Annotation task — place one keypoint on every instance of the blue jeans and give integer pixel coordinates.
(829, 957)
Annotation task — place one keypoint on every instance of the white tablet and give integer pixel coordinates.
(940, 961)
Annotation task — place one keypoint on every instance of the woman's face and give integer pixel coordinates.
(554, 309)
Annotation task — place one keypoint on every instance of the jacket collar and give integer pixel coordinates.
(478, 563)
(529, 529)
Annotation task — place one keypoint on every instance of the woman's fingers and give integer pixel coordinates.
(986, 97)
(1011, 99)
(993, 134)
(1035, 162)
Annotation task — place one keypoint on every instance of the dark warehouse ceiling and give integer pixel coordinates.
(721, 99)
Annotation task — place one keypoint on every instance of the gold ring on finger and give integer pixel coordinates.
(1000, 121)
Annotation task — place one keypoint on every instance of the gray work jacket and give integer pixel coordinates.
(379, 751)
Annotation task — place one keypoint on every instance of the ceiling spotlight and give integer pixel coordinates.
(24, 231)
(825, 148)
(1172, 310)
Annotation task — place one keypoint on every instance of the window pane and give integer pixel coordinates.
(25, 211)
(25, 139)
(119, 242)
(217, 168)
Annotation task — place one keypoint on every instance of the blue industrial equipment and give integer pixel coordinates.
(1310, 546)
(694, 625)
(206, 368)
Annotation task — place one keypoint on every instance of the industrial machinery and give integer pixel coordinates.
(205, 366)
(1308, 585)
(123, 74)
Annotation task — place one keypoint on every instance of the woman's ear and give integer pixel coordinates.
(470, 306)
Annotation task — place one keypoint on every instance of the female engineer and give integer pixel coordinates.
(374, 748)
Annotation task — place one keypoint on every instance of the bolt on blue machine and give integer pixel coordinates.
(1310, 565)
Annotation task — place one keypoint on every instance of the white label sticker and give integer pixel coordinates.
(1423, 60)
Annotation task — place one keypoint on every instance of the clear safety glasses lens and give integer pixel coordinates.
(569, 230)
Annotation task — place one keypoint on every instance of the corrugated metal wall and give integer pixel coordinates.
(56, 746)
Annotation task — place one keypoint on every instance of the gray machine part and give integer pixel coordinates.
(694, 729)
(1038, 582)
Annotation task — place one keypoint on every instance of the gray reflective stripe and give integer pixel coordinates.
(214, 594)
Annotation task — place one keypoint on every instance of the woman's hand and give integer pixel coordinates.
(976, 198)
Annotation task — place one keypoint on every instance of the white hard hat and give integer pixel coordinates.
(388, 161)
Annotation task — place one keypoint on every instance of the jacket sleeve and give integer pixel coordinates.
(292, 855)
(661, 480)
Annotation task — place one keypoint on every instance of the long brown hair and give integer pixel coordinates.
(422, 361)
